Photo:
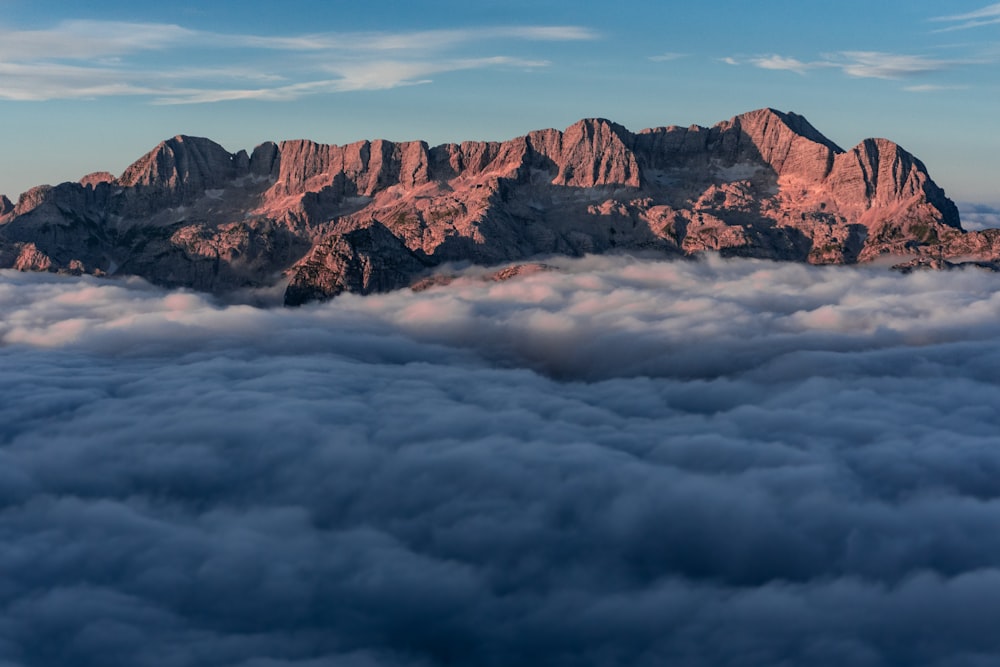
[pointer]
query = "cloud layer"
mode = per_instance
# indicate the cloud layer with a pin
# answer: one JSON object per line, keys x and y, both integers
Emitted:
{"x": 622, "y": 462}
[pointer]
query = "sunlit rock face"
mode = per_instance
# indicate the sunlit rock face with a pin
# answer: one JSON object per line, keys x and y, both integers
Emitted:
{"x": 377, "y": 215}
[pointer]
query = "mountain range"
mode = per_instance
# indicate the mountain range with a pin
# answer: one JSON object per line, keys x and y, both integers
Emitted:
{"x": 378, "y": 215}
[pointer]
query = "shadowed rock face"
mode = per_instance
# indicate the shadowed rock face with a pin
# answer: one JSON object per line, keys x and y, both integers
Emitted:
{"x": 375, "y": 215}
{"x": 364, "y": 260}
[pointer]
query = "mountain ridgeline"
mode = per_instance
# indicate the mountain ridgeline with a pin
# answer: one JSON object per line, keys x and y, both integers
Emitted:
{"x": 377, "y": 215}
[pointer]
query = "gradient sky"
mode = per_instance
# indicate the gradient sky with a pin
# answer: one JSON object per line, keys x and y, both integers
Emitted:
{"x": 92, "y": 88}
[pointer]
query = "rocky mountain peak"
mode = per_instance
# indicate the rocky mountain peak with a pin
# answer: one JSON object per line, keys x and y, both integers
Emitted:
{"x": 878, "y": 175}
{"x": 597, "y": 130}
{"x": 785, "y": 141}
{"x": 759, "y": 121}
{"x": 362, "y": 168}
{"x": 597, "y": 152}
{"x": 96, "y": 178}
{"x": 6, "y": 206}
{"x": 264, "y": 161}
{"x": 182, "y": 163}
{"x": 31, "y": 198}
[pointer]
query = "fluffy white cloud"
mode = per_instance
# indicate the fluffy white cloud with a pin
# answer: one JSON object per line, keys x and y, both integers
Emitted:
{"x": 619, "y": 462}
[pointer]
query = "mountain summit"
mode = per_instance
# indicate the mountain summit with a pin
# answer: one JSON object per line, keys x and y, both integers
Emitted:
{"x": 376, "y": 215}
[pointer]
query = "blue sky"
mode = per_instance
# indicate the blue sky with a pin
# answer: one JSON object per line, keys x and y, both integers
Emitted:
{"x": 85, "y": 88}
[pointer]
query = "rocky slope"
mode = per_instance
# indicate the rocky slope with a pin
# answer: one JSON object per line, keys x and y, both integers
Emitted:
{"x": 377, "y": 215}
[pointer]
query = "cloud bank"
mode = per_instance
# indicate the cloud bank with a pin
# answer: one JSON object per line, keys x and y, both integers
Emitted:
{"x": 622, "y": 462}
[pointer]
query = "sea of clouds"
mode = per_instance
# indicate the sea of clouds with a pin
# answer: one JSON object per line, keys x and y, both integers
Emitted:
{"x": 618, "y": 462}
{"x": 976, "y": 217}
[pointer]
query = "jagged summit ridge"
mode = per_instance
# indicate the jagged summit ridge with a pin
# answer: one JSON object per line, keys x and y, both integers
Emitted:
{"x": 374, "y": 214}
{"x": 591, "y": 152}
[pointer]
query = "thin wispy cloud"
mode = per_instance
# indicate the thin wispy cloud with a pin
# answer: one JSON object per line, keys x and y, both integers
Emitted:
{"x": 423, "y": 40}
{"x": 92, "y": 59}
{"x": 667, "y": 57}
{"x": 352, "y": 76}
{"x": 879, "y": 65}
{"x": 931, "y": 88}
{"x": 858, "y": 64}
{"x": 989, "y": 15}
{"x": 87, "y": 40}
{"x": 46, "y": 81}
{"x": 782, "y": 63}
